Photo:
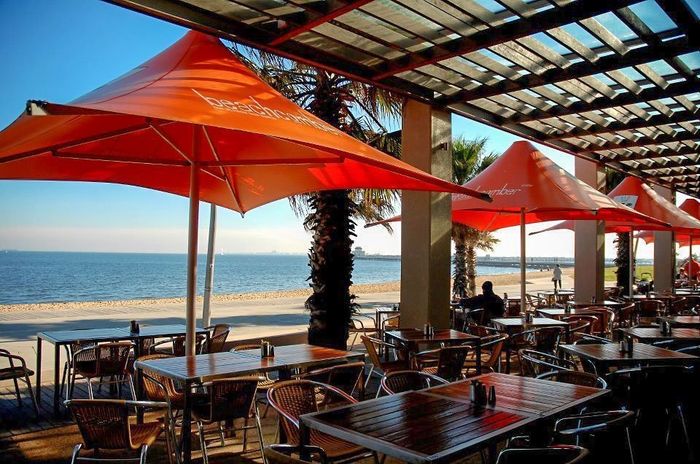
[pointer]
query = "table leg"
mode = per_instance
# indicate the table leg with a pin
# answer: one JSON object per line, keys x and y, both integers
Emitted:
{"x": 478, "y": 357}
{"x": 56, "y": 378}
{"x": 138, "y": 352}
{"x": 508, "y": 357}
{"x": 304, "y": 439}
{"x": 38, "y": 369}
{"x": 186, "y": 433}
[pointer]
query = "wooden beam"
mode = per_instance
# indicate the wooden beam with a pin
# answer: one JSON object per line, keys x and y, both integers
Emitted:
{"x": 645, "y": 141}
{"x": 682, "y": 163}
{"x": 333, "y": 10}
{"x": 547, "y": 19}
{"x": 641, "y": 55}
{"x": 682, "y": 151}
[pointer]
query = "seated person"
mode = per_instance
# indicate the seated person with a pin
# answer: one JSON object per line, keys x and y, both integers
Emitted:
{"x": 488, "y": 300}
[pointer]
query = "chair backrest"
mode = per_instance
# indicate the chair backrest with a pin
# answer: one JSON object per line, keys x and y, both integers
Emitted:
{"x": 112, "y": 358}
{"x": 584, "y": 379}
{"x": 451, "y": 362}
{"x": 346, "y": 377}
{"x": 231, "y": 398}
{"x": 513, "y": 308}
{"x": 649, "y": 307}
{"x": 293, "y": 398}
{"x": 534, "y": 363}
{"x": 217, "y": 339}
{"x": 246, "y": 346}
{"x": 547, "y": 339}
{"x": 495, "y": 346}
{"x": 391, "y": 322}
{"x": 581, "y": 324}
{"x": 481, "y": 330}
{"x": 372, "y": 344}
{"x": 103, "y": 424}
{"x": 284, "y": 454}
{"x": 401, "y": 381}
{"x": 476, "y": 316}
{"x": 627, "y": 316}
{"x": 158, "y": 387}
{"x": 558, "y": 454}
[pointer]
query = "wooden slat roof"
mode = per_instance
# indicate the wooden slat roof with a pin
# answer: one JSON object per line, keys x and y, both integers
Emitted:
{"x": 617, "y": 81}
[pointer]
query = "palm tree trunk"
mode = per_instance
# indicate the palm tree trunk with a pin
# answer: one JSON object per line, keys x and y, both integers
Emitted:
{"x": 459, "y": 286}
{"x": 471, "y": 269}
{"x": 622, "y": 261}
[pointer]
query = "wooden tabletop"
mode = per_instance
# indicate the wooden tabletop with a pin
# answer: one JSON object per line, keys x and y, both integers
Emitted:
{"x": 526, "y": 395}
{"x": 558, "y": 313}
{"x": 609, "y": 354}
{"x": 440, "y": 335}
{"x": 683, "y": 321}
{"x": 114, "y": 333}
{"x": 207, "y": 367}
{"x": 510, "y": 323}
{"x": 611, "y": 303}
{"x": 441, "y": 424}
{"x": 558, "y": 292}
{"x": 417, "y": 427}
{"x": 653, "y": 334}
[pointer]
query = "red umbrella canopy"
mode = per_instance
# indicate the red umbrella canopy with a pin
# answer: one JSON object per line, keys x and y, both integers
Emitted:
{"x": 524, "y": 178}
{"x": 638, "y": 195}
{"x": 195, "y": 104}
{"x": 611, "y": 227}
{"x": 690, "y": 206}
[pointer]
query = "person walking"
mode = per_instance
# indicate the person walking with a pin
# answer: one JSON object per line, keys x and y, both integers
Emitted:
{"x": 556, "y": 277}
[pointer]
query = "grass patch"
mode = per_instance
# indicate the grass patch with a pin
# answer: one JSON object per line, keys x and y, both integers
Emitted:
{"x": 610, "y": 275}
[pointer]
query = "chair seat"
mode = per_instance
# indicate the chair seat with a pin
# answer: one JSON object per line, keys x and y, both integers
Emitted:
{"x": 391, "y": 366}
{"x": 336, "y": 448}
{"x": 15, "y": 372}
{"x": 145, "y": 434}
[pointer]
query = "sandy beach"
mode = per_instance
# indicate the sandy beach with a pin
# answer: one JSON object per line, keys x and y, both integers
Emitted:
{"x": 360, "y": 289}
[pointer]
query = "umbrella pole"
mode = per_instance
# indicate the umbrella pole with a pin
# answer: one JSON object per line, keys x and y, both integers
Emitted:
{"x": 631, "y": 264}
{"x": 522, "y": 260}
{"x": 191, "y": 315}
{"x": 209, "y": 278}
{"x": 690, "y": 258}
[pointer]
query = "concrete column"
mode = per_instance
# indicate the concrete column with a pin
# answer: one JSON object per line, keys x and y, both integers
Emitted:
{"x": 589, "y": 248}
{"x": 664, "y": 250}
{"x": 426, "y": 219}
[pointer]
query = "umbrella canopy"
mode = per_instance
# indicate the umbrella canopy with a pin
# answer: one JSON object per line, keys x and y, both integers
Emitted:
{"x": 611, "y": 227}
{"x": 527, "y": 187}
{"x": 194, "y": 121}
{"x": 690, "y": 206}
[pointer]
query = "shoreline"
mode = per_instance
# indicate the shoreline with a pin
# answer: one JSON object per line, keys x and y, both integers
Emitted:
{"x": 357, "y": 289}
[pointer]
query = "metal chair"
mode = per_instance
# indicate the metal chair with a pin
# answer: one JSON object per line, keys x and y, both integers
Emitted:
{"x": 555, "y": 454}
{"x": 293, "y": 398}
{"x": 104, "y": 425}
{"x": 217, "y": 339}
{"x": 18, "y": 373}
{"x": 346, "y": 377}
{"x": 380, "y": 366}
{"x": 534, "y": 363}
{"x": 584, "y": 379}
{"x": 228, "y": 400}
{"x": 357, "y": 327}
{"x": 627, "y": 316}
{"x": 284, "y": 454}
{"x": 110, "y": 360}
{"x": 583, "y": 324}
{"x": 649, "y": 310}
{"x": 450, "y": 361}
{"x": 491, "y": 350}
{"x": 595, "y": 426}
{"x": 401, "y": 381}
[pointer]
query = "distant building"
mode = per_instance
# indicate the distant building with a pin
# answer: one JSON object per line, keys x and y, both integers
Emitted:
{"x": 359, "y": 252}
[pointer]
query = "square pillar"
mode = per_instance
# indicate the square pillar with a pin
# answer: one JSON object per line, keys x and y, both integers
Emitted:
{"x": 589, "y": 242}
{"x": 664, "y": 250}
{"x": 426, "y": 219}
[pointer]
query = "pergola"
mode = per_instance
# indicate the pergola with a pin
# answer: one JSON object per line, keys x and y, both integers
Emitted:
{"x": 615, "y": 82}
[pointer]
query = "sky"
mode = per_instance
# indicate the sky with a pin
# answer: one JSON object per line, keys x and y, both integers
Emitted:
{"x": 58, "y": 51}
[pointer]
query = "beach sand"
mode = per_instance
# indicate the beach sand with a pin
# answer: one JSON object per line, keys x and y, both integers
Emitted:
{"x": 501, "y": 280}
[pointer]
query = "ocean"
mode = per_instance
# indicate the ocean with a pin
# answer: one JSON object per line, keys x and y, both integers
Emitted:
{"x": 48, "y": 277}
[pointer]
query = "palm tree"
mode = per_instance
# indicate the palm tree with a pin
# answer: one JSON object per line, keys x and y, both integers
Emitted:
{"x": 469, "y": 158}
{"x": 359, "y": 110}
{"x": 622, "y": 241}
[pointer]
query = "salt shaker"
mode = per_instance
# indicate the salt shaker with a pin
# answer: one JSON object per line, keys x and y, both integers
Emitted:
{"x": 492, "y": 395}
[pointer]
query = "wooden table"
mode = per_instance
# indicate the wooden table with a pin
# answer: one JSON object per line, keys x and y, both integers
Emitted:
{"x": 61, "y": 338}
{"x": 683, "y": 321}
{"x": 195, "y": 370}
{"x": 654, "y": 334}
{"x": 440, "y": 424}
{"x": 558, "y": 313}
{"x": 604, "y": 356}
{"x": 609, "y": 303}
{"x": 411, "y": 338}
{"x": 551, "y": 296}
{"x": 383, "y": 313}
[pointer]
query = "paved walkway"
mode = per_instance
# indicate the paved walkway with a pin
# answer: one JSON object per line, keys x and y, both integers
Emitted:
{"x": 248, "y": 319}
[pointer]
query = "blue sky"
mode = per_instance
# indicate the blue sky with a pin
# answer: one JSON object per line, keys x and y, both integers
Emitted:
{"x": 57, "y": 51}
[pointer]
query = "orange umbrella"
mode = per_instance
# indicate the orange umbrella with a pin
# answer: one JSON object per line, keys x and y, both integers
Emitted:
{"x": 638, "y": 195}
{"x": 690, "y": 206}
{"x": 195, "y": 121}
{"x": 527, "y": 187}
{"x": 611, "y": 227}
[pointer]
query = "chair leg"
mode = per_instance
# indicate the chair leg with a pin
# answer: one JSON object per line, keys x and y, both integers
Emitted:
{"x": 144, "y": 454}
{"x": 89, "y": 385}
{"x": 245, "y": 434}
{"x": 130, "y": 379}
{"x": 629, "y": 444}
{"x": 369, "y": 376}
{"x": 76, "y": 451}
{"x": 202, "y": 443}
{"x": 685, "y": 433}
{"x": 258, "y": 427}
{"x": 32, "y": 395}
{"x": 19, "y": 398}
{"x": 221, "y": 435}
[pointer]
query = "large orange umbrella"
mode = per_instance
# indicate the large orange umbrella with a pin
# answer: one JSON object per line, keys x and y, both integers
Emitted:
{"x": 195, "y": 121}
{"x": 640, "y": 196}
{"x": 527, "y": 187}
